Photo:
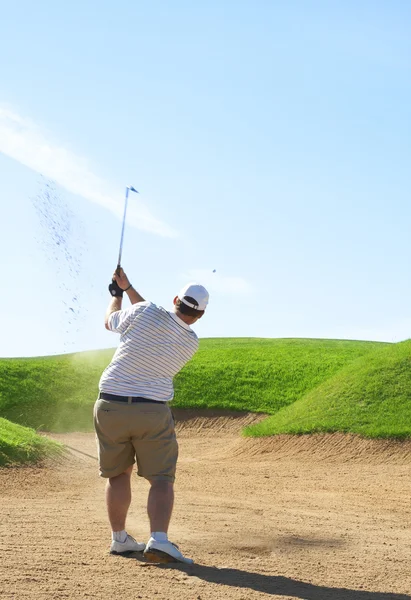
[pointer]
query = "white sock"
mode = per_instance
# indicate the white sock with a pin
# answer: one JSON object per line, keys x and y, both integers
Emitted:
{"x": 159, "y": 536}
{"x": 119, "y": 536}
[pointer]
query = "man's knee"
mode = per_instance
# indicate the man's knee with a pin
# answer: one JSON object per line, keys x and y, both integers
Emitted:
{"x": 161, "y": 484}
{"x": 124, "y": 475}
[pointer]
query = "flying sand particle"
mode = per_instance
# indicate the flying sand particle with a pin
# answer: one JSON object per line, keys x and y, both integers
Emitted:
{"x": 64, "y": 248}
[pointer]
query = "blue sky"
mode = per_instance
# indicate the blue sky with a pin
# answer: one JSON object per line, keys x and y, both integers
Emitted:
{"x": 270, "y": 141}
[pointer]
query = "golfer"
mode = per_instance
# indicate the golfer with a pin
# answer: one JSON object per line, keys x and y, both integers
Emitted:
{"x": 132, "y": 419}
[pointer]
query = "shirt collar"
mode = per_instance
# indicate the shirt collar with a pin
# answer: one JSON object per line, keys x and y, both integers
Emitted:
{"x": 179, "y": 321}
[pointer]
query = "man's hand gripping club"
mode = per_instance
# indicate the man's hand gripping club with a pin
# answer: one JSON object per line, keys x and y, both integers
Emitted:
{"x": 120, "y": 284}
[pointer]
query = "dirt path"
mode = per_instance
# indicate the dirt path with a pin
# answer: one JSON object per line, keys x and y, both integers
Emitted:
{"x": 324, "y": 517}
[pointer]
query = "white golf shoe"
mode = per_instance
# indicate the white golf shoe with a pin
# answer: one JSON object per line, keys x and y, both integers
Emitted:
{"x": 164, "y": 552}
{"x": 130, "y": 545}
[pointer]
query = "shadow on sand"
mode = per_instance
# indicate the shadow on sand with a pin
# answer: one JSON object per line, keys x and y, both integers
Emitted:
{"x": 271, "y": 584}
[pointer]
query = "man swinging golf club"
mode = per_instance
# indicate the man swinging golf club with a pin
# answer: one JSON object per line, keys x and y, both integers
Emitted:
{"x": 132, "y": 418}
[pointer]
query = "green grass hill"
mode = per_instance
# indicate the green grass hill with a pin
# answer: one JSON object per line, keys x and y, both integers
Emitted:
{"x": 370, "y": 396}
{"x": 57, "y": 393}
{"x": 305, "y": 385}
{"x": 21, "y": 445}
{"x": 52, "y": 393}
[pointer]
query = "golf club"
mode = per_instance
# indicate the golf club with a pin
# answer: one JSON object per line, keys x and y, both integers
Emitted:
{"x": 128, "y": 189}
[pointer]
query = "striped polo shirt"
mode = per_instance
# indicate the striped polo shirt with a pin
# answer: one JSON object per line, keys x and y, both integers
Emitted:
{"x": 154, "y": 346}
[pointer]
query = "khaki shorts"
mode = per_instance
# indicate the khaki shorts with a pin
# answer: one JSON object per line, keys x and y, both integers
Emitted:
{"x": 142, "y": 432}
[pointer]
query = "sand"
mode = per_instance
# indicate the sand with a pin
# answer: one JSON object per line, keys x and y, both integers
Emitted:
{"x": 313, "y": 518}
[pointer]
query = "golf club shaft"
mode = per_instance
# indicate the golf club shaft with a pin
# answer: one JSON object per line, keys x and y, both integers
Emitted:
{"x": 122, "y": 231}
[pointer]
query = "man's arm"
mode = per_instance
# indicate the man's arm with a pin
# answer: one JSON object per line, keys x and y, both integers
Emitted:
{"x": 114, "y": 306}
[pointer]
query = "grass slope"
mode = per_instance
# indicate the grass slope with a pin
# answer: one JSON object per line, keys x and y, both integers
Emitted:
{"x": 57, "y": 393}
{"x": 261, "y": 375}
{"x": 52, "y": 393}
{"x": 21, "y": 445}
{"x": 371, "y": 397}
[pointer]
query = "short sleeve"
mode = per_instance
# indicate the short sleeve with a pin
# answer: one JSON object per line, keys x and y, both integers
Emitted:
{"x": 120, "y": 321}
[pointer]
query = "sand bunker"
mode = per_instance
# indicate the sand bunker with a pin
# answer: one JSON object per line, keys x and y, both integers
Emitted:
{"x": 310, "y": 518}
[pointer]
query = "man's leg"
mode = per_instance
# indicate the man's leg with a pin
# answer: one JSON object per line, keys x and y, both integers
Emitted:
{"x": 157, "y": 459}
{"x": 159, "y": 508}
{"x": 160, "y": 504}
{"x": 118, "y": 498}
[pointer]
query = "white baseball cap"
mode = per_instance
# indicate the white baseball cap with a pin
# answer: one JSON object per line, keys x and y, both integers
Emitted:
{"x": 197, "y": 292}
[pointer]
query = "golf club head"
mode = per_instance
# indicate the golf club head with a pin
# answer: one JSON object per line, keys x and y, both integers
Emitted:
{"x": 132, "y": 189}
